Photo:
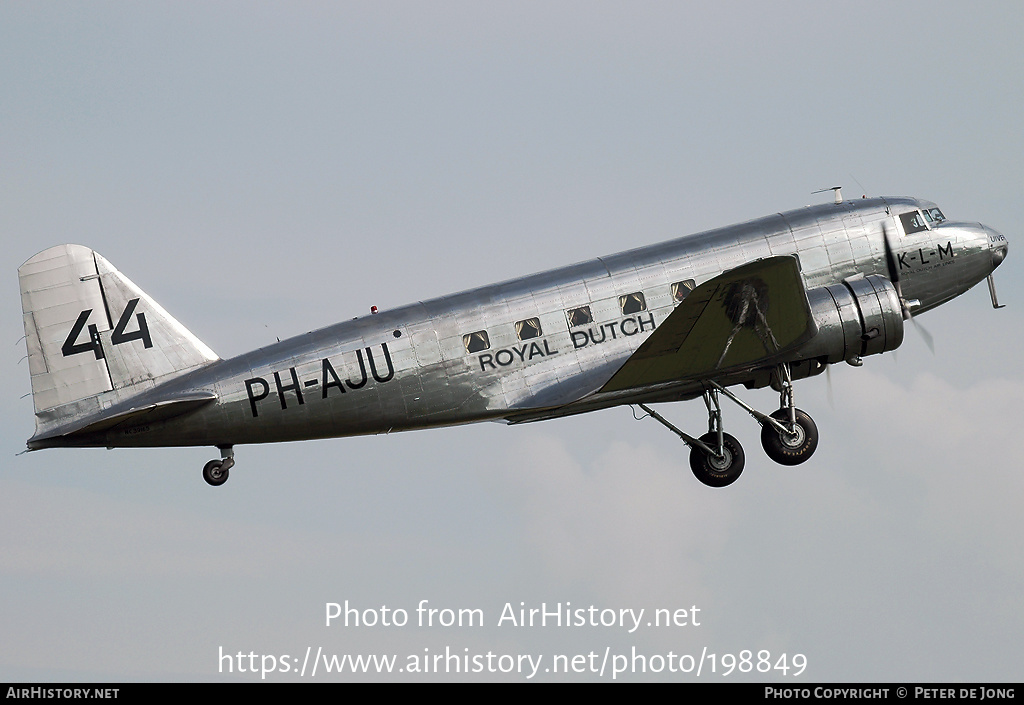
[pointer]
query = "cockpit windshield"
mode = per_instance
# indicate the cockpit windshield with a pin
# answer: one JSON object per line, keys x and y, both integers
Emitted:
{"x": 912, "y": 222}
{"x": 925, "y": 219}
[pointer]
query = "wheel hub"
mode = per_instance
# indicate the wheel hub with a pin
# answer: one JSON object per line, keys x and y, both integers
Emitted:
{"x": 722, "y": 462}
{"x": 794, "y": 438}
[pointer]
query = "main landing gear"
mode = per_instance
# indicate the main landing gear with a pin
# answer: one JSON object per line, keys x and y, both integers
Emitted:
{"x": 215, "y": 472}
{"x": 789, "y": 436}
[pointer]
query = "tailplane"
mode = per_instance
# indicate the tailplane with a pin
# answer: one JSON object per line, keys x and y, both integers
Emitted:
{"x": 92, "y": 334}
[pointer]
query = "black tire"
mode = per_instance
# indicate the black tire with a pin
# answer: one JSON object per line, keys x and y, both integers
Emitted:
{"x": 786, "y": 449}
{"x": 717, "y": 472}
{"x": 213, "y": 474}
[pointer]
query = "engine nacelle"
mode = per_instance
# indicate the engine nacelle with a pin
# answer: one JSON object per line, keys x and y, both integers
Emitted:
{"x": 861, "y": 316}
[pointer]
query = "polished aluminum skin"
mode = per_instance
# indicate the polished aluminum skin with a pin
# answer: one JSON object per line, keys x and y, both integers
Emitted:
{"x": 111, "y": 368}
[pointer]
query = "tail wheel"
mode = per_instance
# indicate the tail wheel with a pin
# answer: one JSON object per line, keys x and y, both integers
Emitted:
{"x": 214, "y": 473}
{"x": 717, "y": 471}
{"x": 790, "y": 448}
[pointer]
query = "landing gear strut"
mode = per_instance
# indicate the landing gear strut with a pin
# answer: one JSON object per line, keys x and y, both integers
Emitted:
{"x": 215, "y": 472}
{"x": 716, "y": 458}
{"x": 789, "y": 436}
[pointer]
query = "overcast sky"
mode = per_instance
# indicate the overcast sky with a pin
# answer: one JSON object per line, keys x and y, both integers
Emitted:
{"x": 266, "y": 169}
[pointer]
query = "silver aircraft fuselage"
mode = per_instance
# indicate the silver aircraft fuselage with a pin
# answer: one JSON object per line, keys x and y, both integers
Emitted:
{"x": 426, "y": 364}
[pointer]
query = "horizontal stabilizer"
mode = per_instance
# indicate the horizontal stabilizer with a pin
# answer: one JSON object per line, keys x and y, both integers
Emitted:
{"x": 130, "y": 418}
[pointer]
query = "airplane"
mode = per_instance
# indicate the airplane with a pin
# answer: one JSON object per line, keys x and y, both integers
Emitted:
{"x": 761, "y": 303}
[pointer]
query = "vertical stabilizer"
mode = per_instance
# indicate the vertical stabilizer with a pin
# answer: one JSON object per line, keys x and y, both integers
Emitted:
{"x": 90, "y": 330}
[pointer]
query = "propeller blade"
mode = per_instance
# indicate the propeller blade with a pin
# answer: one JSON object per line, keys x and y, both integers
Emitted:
{"x": 828, "y": 389}
{"x": 890, "y": 260}
{"x": 925, "y": 335}
{"x": 894, "y": 271}
{"x": 894, "y": 277}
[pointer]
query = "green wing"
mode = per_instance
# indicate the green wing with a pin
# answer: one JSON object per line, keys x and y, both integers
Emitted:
{"x": 744, "y": 317}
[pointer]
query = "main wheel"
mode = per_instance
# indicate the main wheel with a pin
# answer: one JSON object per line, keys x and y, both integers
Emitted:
{"x": 214, "y": 474}
{"x": 790, "y": 448}
{"x": 714, "y": 471}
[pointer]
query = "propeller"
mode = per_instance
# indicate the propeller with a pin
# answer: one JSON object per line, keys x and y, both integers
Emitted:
{"x": 894, "y": 277}
{"x": 828, "y": 389}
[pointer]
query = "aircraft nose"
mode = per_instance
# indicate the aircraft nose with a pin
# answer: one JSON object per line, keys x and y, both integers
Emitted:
{"x": 998, "y": 246}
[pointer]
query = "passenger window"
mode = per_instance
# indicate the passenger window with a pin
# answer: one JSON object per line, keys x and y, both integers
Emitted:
{"x": 579, "y": 316}
{"x": 530, "y": 328}
{"x": 632, "y": 303}
{"x": 475, "y": 342}
{"x": 680, "y": 290}
{"x": 913, "y": 222}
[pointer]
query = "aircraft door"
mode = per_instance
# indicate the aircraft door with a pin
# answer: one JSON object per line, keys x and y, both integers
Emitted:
{"x": 436, "y": 394}
{"x": 426, "y": 345}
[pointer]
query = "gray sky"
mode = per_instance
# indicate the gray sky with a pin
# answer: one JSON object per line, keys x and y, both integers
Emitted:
{"x": 265, "y": 169}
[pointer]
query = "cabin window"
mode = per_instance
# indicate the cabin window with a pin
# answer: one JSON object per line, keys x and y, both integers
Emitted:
{"x": 632, "y": 303}
{"x": 579, "y": 316}
{"x": 530, "y": 328}
{"x": 475, "y": 342}
{"x": 913, "y": 222}
{"x": 680, "y": 290}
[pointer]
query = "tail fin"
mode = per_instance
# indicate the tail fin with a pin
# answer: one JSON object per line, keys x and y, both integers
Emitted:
{"x": 90, "y": 330}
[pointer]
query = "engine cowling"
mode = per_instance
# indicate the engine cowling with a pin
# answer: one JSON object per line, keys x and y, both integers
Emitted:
{"x": 862, "y": 316}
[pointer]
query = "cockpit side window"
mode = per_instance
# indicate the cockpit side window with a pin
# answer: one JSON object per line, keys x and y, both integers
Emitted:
{"x": 913, "y": 222}
{"x": 934, "y": 215}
